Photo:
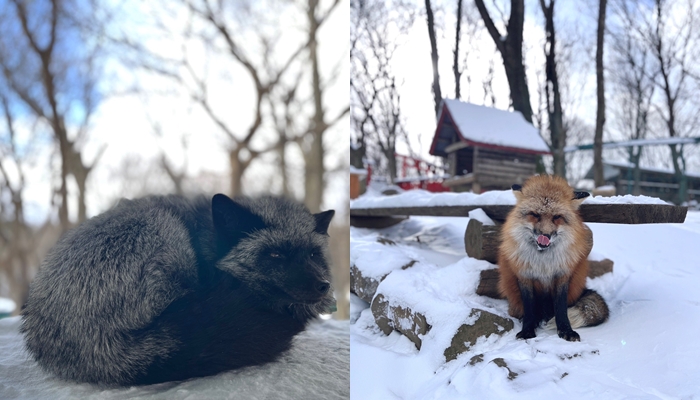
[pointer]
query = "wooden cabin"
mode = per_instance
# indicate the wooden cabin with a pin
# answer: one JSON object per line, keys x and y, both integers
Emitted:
{"x": 654, "y": 182}
{"x": 485, "y": 148}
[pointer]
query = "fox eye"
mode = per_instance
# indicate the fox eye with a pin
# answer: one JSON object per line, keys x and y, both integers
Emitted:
{"x": 556, "y": 217}
{"x": 534, "y": 214}
{"x": 275, "y": 255}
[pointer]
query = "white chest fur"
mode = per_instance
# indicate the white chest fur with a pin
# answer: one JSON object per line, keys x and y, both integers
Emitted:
{"x": 542, "y": 265}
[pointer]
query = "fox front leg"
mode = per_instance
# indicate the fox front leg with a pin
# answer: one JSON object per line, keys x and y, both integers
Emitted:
{"x": 561, "y": 316}
{"x": 530, "y": 321}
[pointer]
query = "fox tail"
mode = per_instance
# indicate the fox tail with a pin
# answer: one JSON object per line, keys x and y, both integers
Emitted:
{"x": 589, "y": 310}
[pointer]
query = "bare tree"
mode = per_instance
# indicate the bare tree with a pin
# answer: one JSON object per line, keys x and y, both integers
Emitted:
{"x": 53, "y": 83}
{"x": 633, "y": 80}
{"x": 510, "y": 46}
{"x": 437, "y": 93}
{"x": 676, "y": 54}
{"x": 320, "y": 122}
{"x": 376, "y": 110}
{"x": 552, "y": 93}
{"x": 600, "y": 93}
{"x": 16, "y": 239}
{"x": 455, "y": 62}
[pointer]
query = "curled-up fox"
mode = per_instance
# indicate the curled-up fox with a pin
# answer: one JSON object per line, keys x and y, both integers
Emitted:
{"x": 543, "y": 259}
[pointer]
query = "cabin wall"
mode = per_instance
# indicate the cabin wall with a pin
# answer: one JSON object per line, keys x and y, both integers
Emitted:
{"x": 492, "y": 169}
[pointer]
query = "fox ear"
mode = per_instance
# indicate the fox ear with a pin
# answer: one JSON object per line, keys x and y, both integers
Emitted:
{"x": 323, "y": 219}
{"x": 232, "y": 221}
{"x": 579, "y": 197}
{"x": 517, "y": 191}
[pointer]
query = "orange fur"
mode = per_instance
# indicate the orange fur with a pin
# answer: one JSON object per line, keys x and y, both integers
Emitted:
{"x": 540, "y": 201}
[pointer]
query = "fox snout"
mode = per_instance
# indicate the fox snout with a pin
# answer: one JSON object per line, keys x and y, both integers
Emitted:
{"x": 543, "y": 239}
{"x": 307, "y": 288}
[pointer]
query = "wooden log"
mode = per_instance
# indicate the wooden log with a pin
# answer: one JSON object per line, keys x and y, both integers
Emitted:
{"x": 482, "y": 241}
{"x": 488, "y": 279}
{"x": 604, "y": 213}
{"x": 488, "y": 284}
{"x": 598, "y": 268}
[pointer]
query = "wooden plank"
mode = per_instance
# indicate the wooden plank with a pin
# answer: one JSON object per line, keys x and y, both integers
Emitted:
{"x": 604, "y": 213}
{"x": 495, "y": 212}
{"x": 459, "y": 180}
{"x": 507, "y": 156}
{"x": 505, "y": 163}
{"x": 633, "y": 213}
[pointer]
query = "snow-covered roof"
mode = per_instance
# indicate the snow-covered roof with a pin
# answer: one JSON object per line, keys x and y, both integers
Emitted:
{"x": 485, "y": 127}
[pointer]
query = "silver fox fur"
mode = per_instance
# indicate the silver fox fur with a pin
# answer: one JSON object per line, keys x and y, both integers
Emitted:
{"x": 167, "y": 288}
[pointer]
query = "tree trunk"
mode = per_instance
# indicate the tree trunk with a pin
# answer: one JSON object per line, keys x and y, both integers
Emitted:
{"x": 237, "y": 170}
{"x": 600, "y": 113}
{"x": 554, "y": 109}
{"x": 511, "y": 49}
{"x": 357, "y": 154}
{"x": 437, "y": 93}
{"x": 391, "y": 164}
{"x": 314, "y": 168}
{"x": 455, "y": 63}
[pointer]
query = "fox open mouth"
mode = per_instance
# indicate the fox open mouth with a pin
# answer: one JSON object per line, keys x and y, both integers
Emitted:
{"x": 542, "y": 242}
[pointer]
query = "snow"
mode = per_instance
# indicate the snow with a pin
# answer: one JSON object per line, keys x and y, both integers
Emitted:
{"x": 481, "y": 216}
{"x": 423, "y": 198}
{"x": 626, "y": 199}
{"x": 489, "y": 125}
{"x": 648, "y": 349}
{"x": 7, "y": 306}
{"x": 317, "y": 367}
{"x": 357, "y": 171}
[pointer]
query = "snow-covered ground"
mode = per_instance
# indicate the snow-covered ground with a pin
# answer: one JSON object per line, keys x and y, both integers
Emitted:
{"x": 648, "y": 349}
{"x": 317, "y": 367}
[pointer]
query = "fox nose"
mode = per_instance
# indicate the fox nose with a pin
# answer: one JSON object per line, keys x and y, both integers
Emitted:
{"x": 322, "y": 287}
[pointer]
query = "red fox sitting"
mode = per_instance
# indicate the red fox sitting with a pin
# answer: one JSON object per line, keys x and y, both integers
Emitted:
{"x": 543, "y": 259}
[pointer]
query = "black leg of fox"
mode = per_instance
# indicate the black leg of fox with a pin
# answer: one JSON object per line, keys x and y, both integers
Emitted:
{"x": 560, "y": 314}
{"x": 530, "y": 320}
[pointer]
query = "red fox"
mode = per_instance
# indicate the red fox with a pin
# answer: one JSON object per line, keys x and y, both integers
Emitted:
{"x": 543, "y": 259}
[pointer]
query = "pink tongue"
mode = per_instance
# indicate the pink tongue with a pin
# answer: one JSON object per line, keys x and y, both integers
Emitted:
{"x": 543, "y": 240}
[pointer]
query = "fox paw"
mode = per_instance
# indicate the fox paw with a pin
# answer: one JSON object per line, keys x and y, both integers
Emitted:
{"x": 529, "y": 334}
{"x": 570, "y": 336}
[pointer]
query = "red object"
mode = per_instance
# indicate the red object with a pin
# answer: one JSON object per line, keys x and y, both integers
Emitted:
{"x": 414, "y": 173}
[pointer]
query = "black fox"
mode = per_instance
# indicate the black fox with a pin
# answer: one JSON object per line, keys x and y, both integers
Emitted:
{"x": 168, "y": 288}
